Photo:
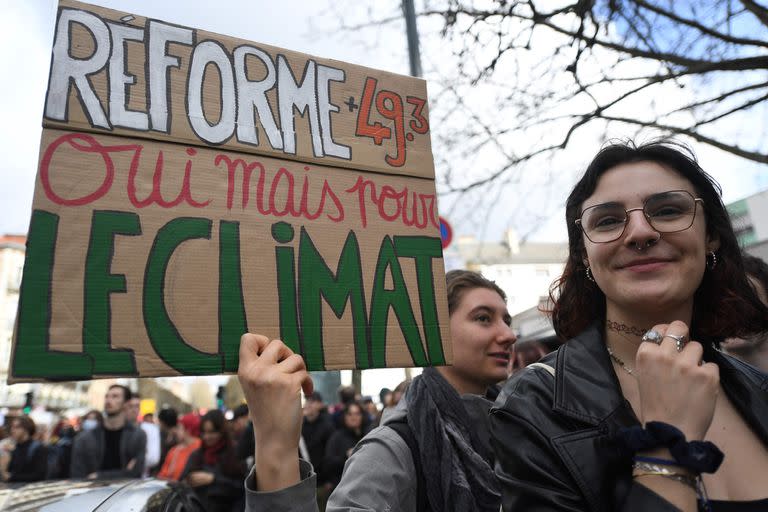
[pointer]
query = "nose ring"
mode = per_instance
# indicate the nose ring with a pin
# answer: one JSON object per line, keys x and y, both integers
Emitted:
{"x": 648, "y": 243}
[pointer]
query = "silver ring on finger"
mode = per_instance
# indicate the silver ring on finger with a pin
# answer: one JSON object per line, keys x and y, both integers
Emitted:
{"x": 679, "y": 340}
{"x": 653, "y": 337}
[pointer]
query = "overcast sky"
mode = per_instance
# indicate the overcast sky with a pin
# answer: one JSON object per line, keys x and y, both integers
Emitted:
{"x": 26, "y": 34}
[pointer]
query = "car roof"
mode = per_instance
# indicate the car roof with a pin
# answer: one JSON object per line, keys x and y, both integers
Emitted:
{"x": 83, "y": 495}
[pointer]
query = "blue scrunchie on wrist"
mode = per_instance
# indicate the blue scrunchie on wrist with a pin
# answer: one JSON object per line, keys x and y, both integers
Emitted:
{"x": 696, "y": 456}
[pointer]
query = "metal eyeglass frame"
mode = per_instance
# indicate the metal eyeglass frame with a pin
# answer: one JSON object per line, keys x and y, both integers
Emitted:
{"x": 645, "y": 214}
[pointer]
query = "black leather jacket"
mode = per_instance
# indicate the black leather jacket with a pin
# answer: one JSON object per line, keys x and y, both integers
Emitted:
{"x": 554, "y": 437}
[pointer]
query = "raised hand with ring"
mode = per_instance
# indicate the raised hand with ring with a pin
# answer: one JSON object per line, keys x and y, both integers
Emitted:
{"x": 652, "y": 336}
{"x": 671, "y": 379}
{"x": 680, "y": 340}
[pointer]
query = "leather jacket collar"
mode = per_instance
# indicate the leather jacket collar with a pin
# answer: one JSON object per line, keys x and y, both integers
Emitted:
{"x": 586, "y": 387}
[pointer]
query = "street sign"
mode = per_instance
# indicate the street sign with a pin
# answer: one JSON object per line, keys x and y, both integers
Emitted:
{"x": 446, "y": 232}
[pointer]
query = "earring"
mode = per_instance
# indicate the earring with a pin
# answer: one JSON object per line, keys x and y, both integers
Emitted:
{"x": 711, "y": 260}
{"x": 588, "y": 272}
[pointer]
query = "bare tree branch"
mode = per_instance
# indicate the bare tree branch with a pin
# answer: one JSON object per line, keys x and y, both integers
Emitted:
{"x": 760, "y": 12}
{"x": 750, "y": 155}
{"x": 514, "y": 84}
{"x": 698, "y": 26}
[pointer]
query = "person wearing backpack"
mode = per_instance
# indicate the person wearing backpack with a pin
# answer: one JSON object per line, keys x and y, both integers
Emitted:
{"x": 432, "y": 450}
{"x": 29, "y": 460}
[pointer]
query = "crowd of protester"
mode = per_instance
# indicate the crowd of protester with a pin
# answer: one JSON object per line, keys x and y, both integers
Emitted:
{"x": 207, "y": 452}
{"x": 203, "y": 451}
{"x": 487, "y": 433}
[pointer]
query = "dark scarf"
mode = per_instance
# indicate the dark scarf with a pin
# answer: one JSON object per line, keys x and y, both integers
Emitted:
{"x": 461, "y": 476}
{"x": 211, "y": 453}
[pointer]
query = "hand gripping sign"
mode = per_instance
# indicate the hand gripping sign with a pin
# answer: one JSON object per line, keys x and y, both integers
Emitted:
{"x": 192, "y": 187}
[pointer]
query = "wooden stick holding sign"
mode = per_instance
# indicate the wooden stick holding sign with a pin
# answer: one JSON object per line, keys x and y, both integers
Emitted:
{"x": 192, "y": 187}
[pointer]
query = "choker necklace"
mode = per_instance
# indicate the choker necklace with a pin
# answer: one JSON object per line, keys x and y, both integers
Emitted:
{"x": 623, "y": 328}
{"x": 620, "y": 362}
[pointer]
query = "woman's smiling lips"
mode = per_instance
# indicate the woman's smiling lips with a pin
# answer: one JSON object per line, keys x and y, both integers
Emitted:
{"x": 645, "y": 264}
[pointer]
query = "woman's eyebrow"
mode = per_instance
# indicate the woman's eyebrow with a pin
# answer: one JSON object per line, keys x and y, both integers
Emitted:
{"x": 490, "y": 310}
{"x": 607, "y": 204}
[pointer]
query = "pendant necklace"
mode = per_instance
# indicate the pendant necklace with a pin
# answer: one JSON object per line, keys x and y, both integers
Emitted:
{"x": 620, "y": 362}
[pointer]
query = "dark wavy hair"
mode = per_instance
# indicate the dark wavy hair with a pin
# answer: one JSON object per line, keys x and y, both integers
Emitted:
{"x": 724, "y": 303}
{"x": 219, "y": 423}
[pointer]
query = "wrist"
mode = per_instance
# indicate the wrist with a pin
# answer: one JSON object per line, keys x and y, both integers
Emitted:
{"x": 696, "y": 456}
{"x": 276, "y": 466}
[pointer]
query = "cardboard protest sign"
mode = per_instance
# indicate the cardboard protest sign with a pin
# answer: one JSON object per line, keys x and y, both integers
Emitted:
{"x": 192, "y": 187}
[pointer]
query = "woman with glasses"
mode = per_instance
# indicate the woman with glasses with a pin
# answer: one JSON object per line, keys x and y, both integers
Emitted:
{"x": 638, "y": 410}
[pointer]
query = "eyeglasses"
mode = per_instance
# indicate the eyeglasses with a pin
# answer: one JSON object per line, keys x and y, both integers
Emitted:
{"x": 666, "y": 212}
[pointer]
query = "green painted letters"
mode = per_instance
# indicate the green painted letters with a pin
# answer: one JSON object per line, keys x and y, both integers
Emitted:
{"x": 166, "y": 340}
{"x": 99, "y": 285}
{"x": 31, "y": 357}
{"x": 232, "y": 322}
{"x": 397, "y": 298}
{"x": 282, "y": 232}
{"x": 424, "y": 249}
{"x": 317, "y": 282}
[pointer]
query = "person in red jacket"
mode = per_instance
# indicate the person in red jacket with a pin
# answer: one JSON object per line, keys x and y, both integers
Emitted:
{"x": 187, "y": 433}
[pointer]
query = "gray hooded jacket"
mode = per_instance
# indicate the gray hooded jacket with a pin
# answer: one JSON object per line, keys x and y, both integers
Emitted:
{"x": 379, "y": 475}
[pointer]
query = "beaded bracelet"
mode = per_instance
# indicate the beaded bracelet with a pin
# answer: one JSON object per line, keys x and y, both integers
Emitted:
{"x": 686, "y": 480}
{"x": 646, "y": 469}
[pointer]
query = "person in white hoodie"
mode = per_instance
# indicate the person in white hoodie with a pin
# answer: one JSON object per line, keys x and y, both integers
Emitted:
{"x": 152, "y": 431}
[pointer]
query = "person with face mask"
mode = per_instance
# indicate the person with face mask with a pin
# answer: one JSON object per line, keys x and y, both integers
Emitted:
{"x": 91, "y": 420}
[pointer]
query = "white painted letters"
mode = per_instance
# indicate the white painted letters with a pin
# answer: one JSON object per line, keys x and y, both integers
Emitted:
{"x": 158, "y": 62}
{"x": 119, "y": 115}
{"x": 260, "y": 97}
{"x": 289, "y": 95}
{"x": 252, "y": 94}
{"x": 210, "y": 52}
{"x": 66, "y": 68}
{"x": 325, "y": 75}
